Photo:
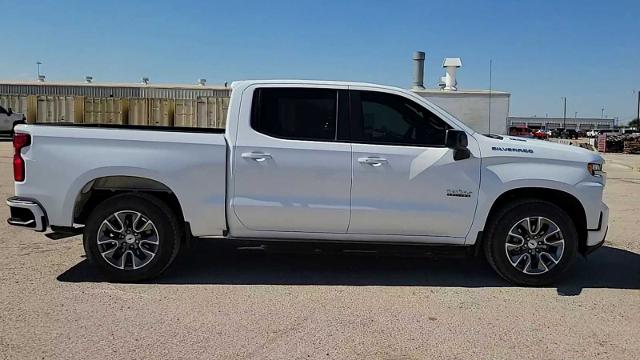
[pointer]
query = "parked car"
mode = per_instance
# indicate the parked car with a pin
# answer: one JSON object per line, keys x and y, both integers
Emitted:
{"x": 569, "y": 134}
{"x": 592, "y": 133}
{"x": 540, "y": 135}
{"x": 9, "y": 119}
{"x": 521, "y": 131}
{"x": 311, "y": 161}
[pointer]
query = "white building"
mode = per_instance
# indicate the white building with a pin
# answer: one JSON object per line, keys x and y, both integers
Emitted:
{"x": 483, "y": 110}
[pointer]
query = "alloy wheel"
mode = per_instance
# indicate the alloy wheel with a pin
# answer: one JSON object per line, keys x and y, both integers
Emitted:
{"x": 128, "y": 240}
{"x": 534, "y": 245}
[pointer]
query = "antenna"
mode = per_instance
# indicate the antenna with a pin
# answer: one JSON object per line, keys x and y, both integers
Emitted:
{"x": 490, "y": 76}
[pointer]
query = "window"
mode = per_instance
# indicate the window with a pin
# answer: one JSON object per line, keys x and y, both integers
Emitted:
{"x": 295, "y": 113}
{"x": 392, "y": 119}
{"x": 3, "y": 111}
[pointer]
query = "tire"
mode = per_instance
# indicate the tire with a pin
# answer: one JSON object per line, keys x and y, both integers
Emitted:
{"x": 539, "y": 251}
{"x": 120, "y": 243}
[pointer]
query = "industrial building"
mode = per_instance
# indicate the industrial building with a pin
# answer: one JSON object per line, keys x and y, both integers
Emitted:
{"x": 550, "y": 123}
{"x": 201, "y": 105}
{"x": 136, "y": 104}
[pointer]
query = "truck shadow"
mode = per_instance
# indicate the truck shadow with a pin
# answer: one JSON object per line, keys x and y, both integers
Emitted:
{"x": 211, "y": 264}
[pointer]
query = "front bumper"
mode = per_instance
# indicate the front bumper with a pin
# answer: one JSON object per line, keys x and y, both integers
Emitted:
{"x": 595, "y": 237}
{"x": 27, "y": 213}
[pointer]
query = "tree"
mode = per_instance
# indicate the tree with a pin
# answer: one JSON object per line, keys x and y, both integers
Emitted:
{"x": 634, "y": 123}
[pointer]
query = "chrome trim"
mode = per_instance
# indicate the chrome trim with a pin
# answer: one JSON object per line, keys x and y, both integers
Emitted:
{"x": 35, "y": 208}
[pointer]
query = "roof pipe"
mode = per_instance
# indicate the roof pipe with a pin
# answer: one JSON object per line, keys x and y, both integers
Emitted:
{"x": 451, "y": 65}
{"x": 418, "y": 70}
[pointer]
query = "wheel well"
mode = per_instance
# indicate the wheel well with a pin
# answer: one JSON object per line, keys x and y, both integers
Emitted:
{"x": 100, "y": 189}
{"x": 563, "y": 200}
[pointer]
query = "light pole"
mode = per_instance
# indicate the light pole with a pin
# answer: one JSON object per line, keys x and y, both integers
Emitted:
{"x": 602, "y": 114}
{"x": 638, "y": 111}
{"x": 564, "y": 113}
{"x": 38, "y": 64}
{"x": 575, "y": 115}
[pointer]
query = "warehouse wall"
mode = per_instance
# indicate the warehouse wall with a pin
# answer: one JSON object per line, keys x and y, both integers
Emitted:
{"x": 201, "y": 112}
{"x": 473, "y": 108}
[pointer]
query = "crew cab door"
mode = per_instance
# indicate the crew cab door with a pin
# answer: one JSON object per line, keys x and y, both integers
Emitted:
{"x": 405, "y": 181}
{"x": 290, "y": 172}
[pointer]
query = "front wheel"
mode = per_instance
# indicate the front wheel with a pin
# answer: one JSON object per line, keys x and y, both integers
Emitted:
{"x": 531, "y": 242}
{"x": 132, "y": 237}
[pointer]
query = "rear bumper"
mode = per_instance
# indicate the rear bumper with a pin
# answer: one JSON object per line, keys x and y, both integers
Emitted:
{"x": 595, "y": 237}
{"x": 27, "y": 213}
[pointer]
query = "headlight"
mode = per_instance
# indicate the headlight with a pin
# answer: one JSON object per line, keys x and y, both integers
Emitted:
{"x": 594, "y": 169}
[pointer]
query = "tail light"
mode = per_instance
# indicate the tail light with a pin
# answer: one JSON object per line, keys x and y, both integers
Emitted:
{"x": 19, "y": 141}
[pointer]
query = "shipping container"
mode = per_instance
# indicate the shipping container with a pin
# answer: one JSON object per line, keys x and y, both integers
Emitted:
{"x": 105, "y": 110}
{"x": 138, "y": 112}
{"x": 51, "y": 109}
{"x": 17, "y": 103}
{"x": 161, "y": 112}
{"x": 185, "y": 113}
{"x": 212, "y": 112}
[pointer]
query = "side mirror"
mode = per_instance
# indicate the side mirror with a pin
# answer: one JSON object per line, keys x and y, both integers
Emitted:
{"x": 457, "y": 140}
{"x": 9, "y": 111}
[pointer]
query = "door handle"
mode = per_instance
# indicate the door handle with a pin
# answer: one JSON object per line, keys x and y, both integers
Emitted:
{"x": 257, "y": 156}
{"x": 373, "y": 161}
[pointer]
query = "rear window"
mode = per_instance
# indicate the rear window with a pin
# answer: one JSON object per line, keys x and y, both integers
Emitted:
{"x": 295, "y": 113}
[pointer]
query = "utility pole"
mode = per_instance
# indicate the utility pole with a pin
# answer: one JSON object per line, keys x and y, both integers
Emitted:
{"x": 490, "y": 66}
{"x": 575, "y": 115}
{"x": 638, "y": 113}
{"x": 602, "y": 115}
{"x": 564, "y": 113}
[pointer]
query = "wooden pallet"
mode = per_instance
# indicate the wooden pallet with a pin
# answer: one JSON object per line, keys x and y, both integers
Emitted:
{"x": 631, "y": 147}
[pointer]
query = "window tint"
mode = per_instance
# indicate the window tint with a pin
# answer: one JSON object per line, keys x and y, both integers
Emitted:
{"x": 295, "y": 113}
{"x": 392, "y": 119}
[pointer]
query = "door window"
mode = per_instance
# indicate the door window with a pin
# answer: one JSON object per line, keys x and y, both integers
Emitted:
{"x": 295, "y": 113}
{"x": 390, "y": 119}
{"x": 3, "y": 111}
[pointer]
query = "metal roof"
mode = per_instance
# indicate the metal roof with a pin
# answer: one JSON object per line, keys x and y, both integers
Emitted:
{"x": 559, "y": 119}
{"x": 117, "y": 90}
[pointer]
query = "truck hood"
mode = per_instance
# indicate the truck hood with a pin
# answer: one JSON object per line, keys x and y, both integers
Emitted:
{"x": 512, "y": 146}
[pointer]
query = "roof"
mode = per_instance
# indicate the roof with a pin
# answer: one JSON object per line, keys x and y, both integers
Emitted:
{"x": 452, "y": 62}
{"x": 108, "y": 84}
{"x": 558, "y": 119}
{"x": 117, "y": 90}
{"x": 462, "y": 92}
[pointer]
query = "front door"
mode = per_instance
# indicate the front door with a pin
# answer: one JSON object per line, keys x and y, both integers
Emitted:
{"x": 405, "y": 181}
{"x": 290, "y": 171}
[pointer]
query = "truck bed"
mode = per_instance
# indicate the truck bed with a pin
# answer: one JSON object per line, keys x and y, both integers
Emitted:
{"x": 64, "y": 159}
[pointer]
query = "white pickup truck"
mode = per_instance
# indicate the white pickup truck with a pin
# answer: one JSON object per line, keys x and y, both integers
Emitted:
{"x": 317, "y": 162}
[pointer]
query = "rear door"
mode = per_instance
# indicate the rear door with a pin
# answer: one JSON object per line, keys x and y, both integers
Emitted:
{"x": 405, "y": 181}
{"x": 290, "y": 171}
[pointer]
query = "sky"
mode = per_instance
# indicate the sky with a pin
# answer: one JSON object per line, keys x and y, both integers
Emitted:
{"x": 588, "y": 51}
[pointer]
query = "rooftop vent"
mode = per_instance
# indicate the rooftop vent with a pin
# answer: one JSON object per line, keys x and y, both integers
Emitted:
{"x": 41, "y": 78}
{"x": 145, "y": 80}
{"x": 449, "y": 80}
{"x": 202, "y": 82}
{"x": 418, "y": 71}
{"x": 88, "y": 79}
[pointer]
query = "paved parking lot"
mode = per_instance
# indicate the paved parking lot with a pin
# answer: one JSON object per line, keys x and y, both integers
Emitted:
{"x": 220, "y": 303}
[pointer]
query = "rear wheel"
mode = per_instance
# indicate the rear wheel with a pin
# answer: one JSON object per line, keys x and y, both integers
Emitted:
{"x": 132, "y": 237}
{"x": 531, "y": 242}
